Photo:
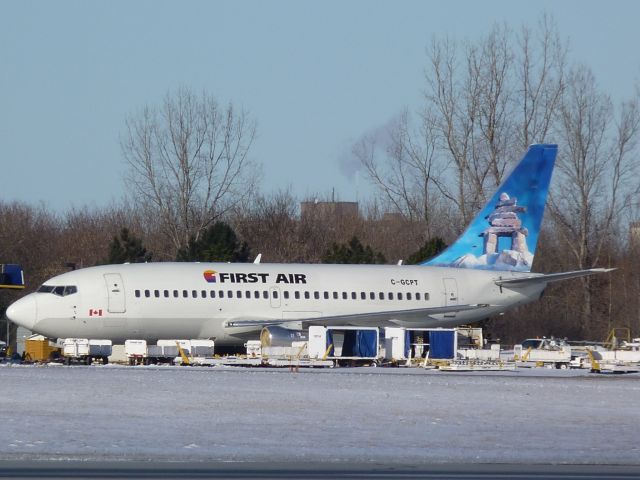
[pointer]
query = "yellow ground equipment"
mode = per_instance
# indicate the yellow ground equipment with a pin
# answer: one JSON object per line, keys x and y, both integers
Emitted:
{"x": 185, "y": 359}
{"x": 617, "y": 335}
{"x": 38, "y": 349}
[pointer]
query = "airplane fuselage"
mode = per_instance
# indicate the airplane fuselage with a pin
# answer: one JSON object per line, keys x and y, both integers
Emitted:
{"x": 198, "y": 300}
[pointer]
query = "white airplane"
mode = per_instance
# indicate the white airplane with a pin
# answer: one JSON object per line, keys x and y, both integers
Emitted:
{"x": 485, "y": 272}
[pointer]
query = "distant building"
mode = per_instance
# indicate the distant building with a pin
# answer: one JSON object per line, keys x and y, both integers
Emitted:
{"x": 634, "y": 234}
{"x": 329, "y": 209}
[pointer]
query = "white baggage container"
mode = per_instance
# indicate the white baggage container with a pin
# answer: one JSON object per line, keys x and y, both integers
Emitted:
{"x": 394, "y": 343}
{"x": 317, "y": 346}
{"x": 85, "y": 350}
{"x": 254, "y": 348}
{"x": 75, "y": 347}
{"x": 135, "y": 348}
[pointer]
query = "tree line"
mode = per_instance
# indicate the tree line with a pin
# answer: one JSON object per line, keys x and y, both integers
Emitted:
{"x": 193, "y": 187}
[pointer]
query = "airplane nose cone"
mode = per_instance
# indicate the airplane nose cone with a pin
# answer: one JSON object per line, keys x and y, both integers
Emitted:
{"x": 23, "y": 312}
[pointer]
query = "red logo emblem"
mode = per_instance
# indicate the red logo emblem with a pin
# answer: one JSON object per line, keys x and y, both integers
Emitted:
{"x": 95, "y": 313}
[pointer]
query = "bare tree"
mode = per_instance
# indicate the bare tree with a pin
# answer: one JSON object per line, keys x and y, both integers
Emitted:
{"x": 541, "y": 65}
{"x": 595, "y": 172}
{"x": 400, "y": 163}
{"x": 485, "y": 102}
{"x": 188, "y": 162}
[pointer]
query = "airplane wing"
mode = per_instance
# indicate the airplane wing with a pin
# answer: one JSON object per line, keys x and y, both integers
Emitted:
{"x": 546, "y": 278}
{"x": 392, "y": 318}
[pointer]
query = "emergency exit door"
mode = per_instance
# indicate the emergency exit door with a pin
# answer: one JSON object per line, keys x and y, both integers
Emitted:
{"x": 115, "y": 292}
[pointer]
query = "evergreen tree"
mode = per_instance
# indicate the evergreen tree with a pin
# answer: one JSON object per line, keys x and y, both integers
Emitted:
{"x": 217, "y": 243}
{"x": 127, "y": 248}
{"x": 353, "y": 252}
{"x": 431, "y": 248}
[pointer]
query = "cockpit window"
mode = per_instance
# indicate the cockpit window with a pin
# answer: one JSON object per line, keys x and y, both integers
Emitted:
{"x": 62, "y": 290}
{"x": 69, "y": 290}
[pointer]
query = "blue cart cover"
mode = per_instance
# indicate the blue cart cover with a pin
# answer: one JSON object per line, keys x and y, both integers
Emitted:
{"x": 441, "y": 344}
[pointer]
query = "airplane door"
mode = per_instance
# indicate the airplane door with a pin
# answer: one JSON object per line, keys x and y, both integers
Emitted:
{"x": 274, "y": 295}
{"x": 115, "y": 291}
{"x": 450, "y": 294}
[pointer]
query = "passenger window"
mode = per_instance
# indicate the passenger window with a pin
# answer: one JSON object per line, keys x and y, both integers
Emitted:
{"x": 316, "y": 295}
{"x": 212, "y": 294}
{"x": 390, "y": 295}
{"x": 166, "y": 294}
{"x": 306, "y": 295}
{"x": 229, "y": 293}
{"x": 247, "y": 294}
{"x": 381, "y": 295}
{"x": 408, "y": 295}
{"x": 426, "y": 297}
{"x": 417, "y": 296}
{"x": 185, "y": 294}
{"x": 194, "y": 293}
{"x": 399, "y": 295}
{"x": 221, "y": 293}
{"x": 265, "y": 295}
{"x": 326, "y": 295}
{"x": 256, "y": 294}
{"x": 175, "y": 294}
{"x": 354, "y": 296}
{"x": 335, "y": 295}
{"x": 203, "y": 294}
{"x": 275, "y": 293}
{"x": 138, "y": 293}
{"x": 363, "y": 296}
{"x": 156, "y": 293}
{"x": 372, "y": 295}
{"x": 296, "y": 294}
{"x": 239, "y": 294}
{"x": 286, "y": 295}
{"x": 344, "y": 295}
{"x": 147, "y": 293}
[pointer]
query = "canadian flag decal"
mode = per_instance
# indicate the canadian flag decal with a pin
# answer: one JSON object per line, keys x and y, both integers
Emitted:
{"x": 95, "y": 313}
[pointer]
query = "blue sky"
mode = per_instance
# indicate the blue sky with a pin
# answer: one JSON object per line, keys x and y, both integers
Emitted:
{"x": 315, "y": 76}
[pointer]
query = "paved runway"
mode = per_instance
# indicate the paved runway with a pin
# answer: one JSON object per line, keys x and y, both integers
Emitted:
{"x": 249, "y": 470}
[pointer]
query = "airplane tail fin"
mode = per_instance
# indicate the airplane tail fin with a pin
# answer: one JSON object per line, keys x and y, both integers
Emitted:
{"x": 503, "y": 236}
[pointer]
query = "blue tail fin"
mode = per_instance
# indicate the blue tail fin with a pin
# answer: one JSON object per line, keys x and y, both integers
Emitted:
{"x": 503, "y": 236}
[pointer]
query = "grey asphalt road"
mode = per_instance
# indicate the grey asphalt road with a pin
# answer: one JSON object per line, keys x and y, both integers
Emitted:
{"x": 30, "y": 469}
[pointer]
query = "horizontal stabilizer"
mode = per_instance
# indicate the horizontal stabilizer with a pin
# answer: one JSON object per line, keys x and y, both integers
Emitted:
{"x": 547, "y": 278}
{"x": 361, "y": 319}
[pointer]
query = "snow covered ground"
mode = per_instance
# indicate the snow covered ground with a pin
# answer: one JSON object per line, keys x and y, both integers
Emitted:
{"x": 340, "y": 415}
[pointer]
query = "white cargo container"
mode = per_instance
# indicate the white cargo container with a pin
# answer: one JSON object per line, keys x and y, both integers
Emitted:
{"x": 343, "y": 343}
{"x": 414, "y": 343}
{"x": 254, "y": 348}
{"x": 75, "y": 348}
{"x": 394, "y": 343}
{"x": 135, "y": 350}
{"x": 85, "y": 350}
